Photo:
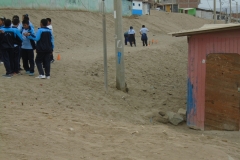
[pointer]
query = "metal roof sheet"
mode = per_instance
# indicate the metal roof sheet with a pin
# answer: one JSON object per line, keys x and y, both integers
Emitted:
{"x": 206, "y": 29}
{"x": 186, "y": 8}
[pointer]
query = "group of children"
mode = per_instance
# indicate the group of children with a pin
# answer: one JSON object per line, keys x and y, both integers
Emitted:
{"x": 18, "y": 41}
{"x": 130, "y": 36}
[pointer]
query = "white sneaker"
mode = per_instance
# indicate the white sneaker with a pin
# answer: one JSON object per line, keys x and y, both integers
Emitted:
{"x": 41, "y": 77}
{"x": 48, "y": 77}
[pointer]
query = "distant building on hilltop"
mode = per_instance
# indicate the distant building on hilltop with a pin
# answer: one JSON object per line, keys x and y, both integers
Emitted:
{"x": 141, "y": 7}
{"x": 190, "y": 11}
{"x": 208, "y": 14}
{"x": 175, "y": 5}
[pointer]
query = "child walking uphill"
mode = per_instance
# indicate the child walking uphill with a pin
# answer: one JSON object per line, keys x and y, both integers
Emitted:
{"x": 131, "y": 34}
{"x": 144, "y": 37}
{"x": 44, "y": 47}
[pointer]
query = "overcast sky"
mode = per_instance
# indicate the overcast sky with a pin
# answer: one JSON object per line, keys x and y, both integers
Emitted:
{"x": 208, "y": 4}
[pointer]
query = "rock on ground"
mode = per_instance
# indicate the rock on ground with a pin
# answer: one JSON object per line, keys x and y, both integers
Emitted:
{"x": 174, "y": 118}
{"x": 183, "y": 112}
{"x": 162, "y": 113}
{"x": 162, "y": 119}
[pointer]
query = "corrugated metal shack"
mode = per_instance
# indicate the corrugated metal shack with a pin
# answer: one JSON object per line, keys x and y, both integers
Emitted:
{"x": 213, "y": 77}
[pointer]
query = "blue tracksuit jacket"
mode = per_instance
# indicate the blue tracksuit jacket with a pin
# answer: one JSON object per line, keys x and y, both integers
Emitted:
{"x": 9, "y": 37}
{"x": 27, "y": 43}
{"x": 44, "y": 40}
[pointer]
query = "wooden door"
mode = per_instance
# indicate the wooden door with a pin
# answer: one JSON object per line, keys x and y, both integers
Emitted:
{"x": 167, "y": 8}
{"x": 222, "y": 95}
{"x": 145, "y": 8}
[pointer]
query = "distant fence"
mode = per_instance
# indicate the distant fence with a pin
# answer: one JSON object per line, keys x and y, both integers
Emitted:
{"x": 85, "y": 5}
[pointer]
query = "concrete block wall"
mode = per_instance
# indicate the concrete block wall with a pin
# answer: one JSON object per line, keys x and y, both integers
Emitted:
{"x": 127, "y": 8}
{"x": 188, "y": 3}
{"x": 85, "y": 5}
{"x": 168, "y": 1}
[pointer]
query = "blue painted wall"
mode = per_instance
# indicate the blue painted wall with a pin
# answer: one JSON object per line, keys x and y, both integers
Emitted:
{"x": 137, "y": 12}
{"x": 191, "y": 105}
{"x": 137, "y": 8}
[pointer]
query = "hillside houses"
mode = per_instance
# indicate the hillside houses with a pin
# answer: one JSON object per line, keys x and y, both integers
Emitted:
{"x": 141, "y": 7}
{"x": 175, "y": 5}
{"x": 189, "y": 7}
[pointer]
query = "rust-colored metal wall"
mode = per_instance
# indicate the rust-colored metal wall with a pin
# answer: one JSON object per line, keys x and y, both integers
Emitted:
{"x": 222, "y": 110}
{"x": 200, "y": 46}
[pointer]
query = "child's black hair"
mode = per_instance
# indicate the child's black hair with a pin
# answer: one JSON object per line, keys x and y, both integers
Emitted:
{"x": 8, "y": 23}
{"x": 25, "y": 22}
{"x": 25, "y": 15}
{"x": 15, "y": 21}
{"x": 3, "y": 19}
{"x": 49, "y": 19}
{"x": 26, "y": 18}
{"x": 15, "y": 17}
{"x": 44, "y": 22}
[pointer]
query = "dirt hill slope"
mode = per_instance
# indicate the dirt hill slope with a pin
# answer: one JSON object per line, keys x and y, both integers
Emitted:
{"x": 70, "y": 116}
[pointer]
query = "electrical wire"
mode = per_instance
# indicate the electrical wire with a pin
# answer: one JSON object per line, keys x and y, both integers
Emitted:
{"x": 209, "y": 5}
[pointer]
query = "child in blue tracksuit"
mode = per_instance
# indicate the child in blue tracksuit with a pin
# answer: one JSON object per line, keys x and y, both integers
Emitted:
{"x": 15, "y": 63}
{"x": 2, "y": 19}
{"x": 26, "y": 17}
{"x": 7, "y": 39}
{"x": 19, "y": 27}
{"x": 44, "y": 47}
{"x": 27, "y": 49}
{"x": 50, "y": 27}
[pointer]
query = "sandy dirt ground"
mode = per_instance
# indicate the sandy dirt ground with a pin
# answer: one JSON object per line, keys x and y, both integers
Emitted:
{"x": 69, "y": 117}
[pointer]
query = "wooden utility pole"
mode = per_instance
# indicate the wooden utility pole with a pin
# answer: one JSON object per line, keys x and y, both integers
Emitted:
{"x": 226, "y": 17}
{"x": 119, "y": 47}
{"x": 215, "y": 17}
{"x": 220, "y": 9}
{"x": 237, "y": 10}
{"x": 104, "y": 47}
{"x": 230, "y": 18}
